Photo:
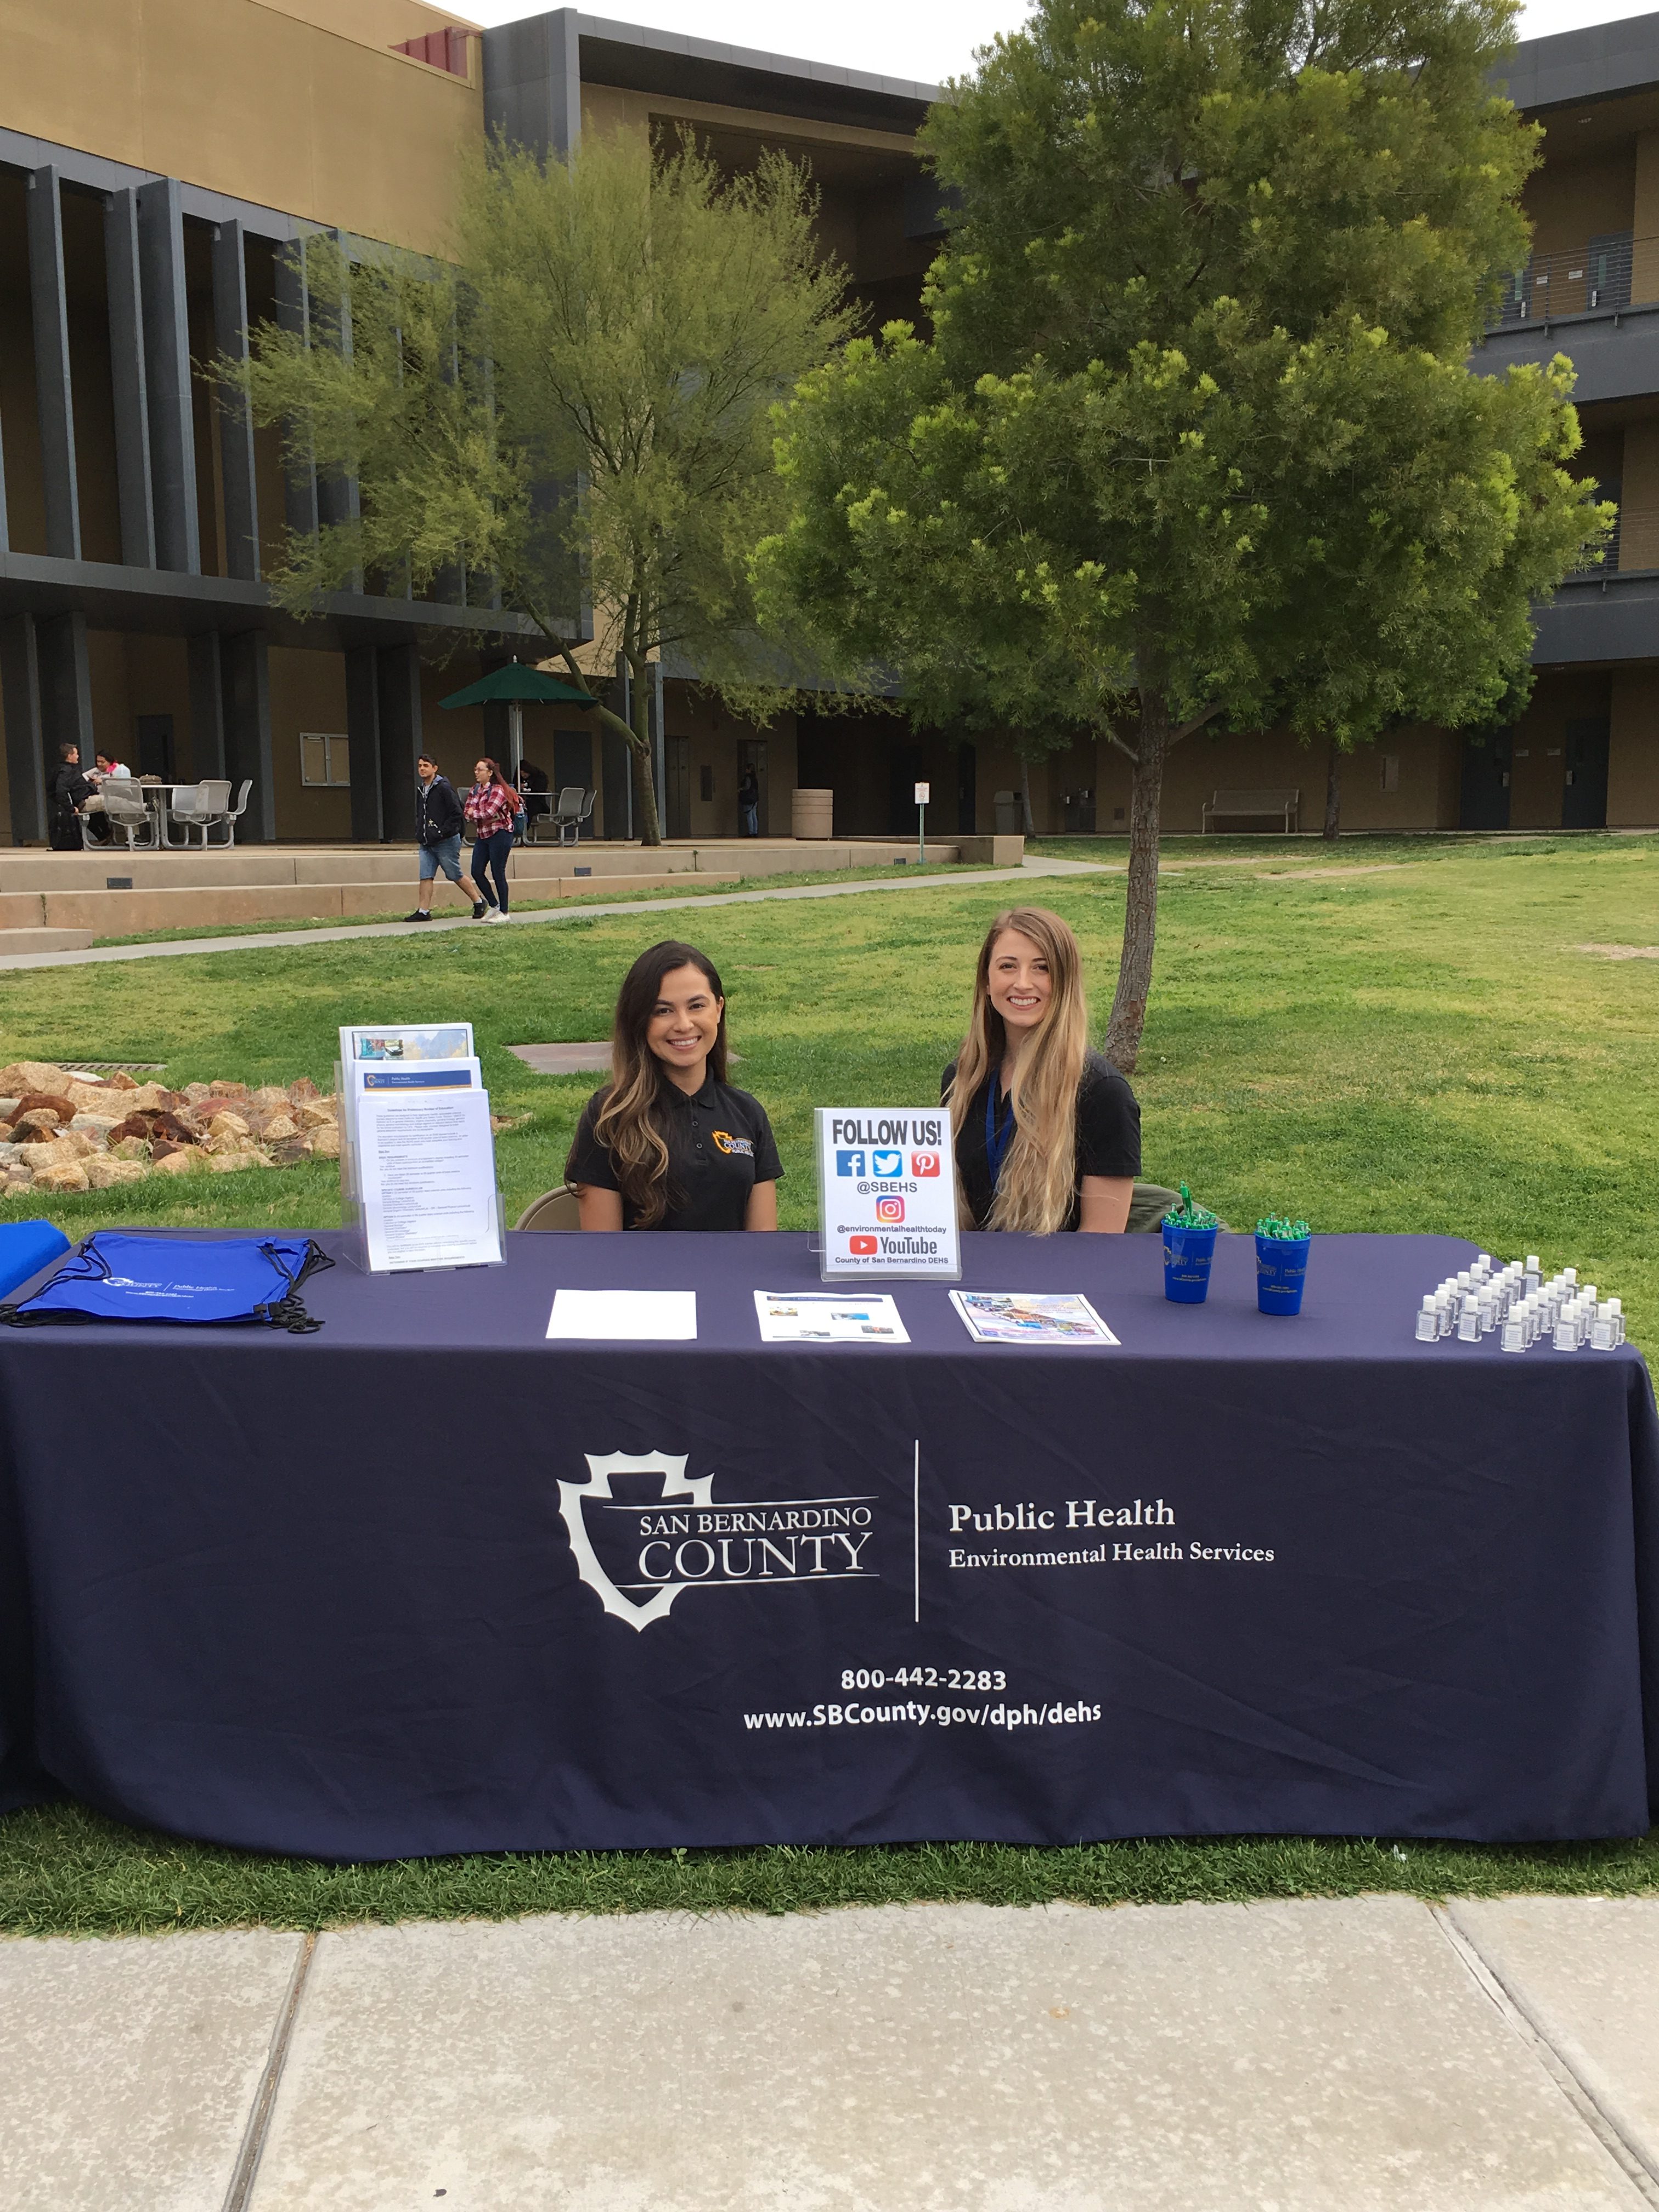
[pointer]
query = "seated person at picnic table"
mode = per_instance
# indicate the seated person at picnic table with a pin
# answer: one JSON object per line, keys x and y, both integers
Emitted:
{"x": 72, "y": 797}
{"x": 668, "y": 1142}
{"x": 1047, "y": 1133}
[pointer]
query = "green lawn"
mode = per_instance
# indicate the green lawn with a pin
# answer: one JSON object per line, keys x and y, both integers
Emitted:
{"x": 1417, "y": 1045}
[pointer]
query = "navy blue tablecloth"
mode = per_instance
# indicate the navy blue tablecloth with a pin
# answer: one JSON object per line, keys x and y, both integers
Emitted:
{"x": 392, "y": 1588}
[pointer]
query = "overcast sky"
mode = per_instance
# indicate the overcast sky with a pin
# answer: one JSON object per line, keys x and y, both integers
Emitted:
{"x": 924, "y": 41}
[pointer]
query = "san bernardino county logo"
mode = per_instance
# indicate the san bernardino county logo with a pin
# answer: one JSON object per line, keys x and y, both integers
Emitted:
{"x": 640, "y": 1553}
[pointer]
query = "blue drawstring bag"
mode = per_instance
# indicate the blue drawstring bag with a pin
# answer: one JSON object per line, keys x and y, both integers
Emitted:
{"x": 110, "y": 1277}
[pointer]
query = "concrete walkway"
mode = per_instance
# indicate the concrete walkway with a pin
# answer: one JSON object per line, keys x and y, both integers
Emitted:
{"x": 263, "y": 941}
{"x": 1372, "y": 2055}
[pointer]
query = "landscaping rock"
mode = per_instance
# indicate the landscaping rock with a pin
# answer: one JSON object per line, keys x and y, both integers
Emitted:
{"x": 228, "y": 1124}
{"x": 288, "y": 1151}
{"x": 101, "y": 1174}
{"x": 45, "y": 1102}
{"x": 95, "y": 1125}
{"x": 302, "y": 1091}
{"x": 130, "y": 1148}
{"x": 41, "y": 1155}
{"x": 228, "y": 1090}
{"x": 230, "y": 1162}
{"x": 280, "y": 1126}
{"x": 149, "y": 1098}
{"x": 313, "y": 1113}
{"x": 325, "y": 1141}
{"x": 26, "y": 1075}
{"x": 195, "y": 1092}
{"x": 269, "y": 1094}
{"x": 182, "y": 1160}
{"x": 39, "y": 1121}
{"x": 70, "y": 1175}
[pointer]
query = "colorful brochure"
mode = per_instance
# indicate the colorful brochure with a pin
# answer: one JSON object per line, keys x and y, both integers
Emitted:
{"x": 820, "y": 1317}
{"x": 1030, "y": 1317}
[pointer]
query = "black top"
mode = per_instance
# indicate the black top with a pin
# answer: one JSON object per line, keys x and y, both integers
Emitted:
{"x": 1108, "y": 1134}
{"x": 438, "y": 812}
{"x": 720, "y": 1146}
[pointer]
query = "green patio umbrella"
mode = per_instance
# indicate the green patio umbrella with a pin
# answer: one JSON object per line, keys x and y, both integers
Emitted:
{"x": 515, "y": 682}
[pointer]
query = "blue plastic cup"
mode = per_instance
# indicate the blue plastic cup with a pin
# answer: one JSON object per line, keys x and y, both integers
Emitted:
{"x": 1281, "y": 1269}
{"x": 1187, "y": 1256}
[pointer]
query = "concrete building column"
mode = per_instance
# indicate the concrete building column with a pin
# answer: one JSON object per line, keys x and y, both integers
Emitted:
{"x": 362, "y": 688}
{"x": 533, "y": 83}
{"x": 127, "y": 380}
{"x": 207, "y": 706}
{"x": 245, "y": 687}
{"x": 54, "y": 406}
{"x": 235, "y": 418}
{"x": 166, "y": 361}
{"x": 20, "y": 694}
{"x": 399, "y": 706}
{"x": 65, "y": 686}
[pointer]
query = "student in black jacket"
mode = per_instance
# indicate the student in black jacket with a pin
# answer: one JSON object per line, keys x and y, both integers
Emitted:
{"x": 438, "y": 823}
{"x": 71, "y": 792}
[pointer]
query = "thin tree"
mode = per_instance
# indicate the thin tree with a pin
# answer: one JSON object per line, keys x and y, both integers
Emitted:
{"x": 576, "y": 404}
{"x": 1195, "y": 440}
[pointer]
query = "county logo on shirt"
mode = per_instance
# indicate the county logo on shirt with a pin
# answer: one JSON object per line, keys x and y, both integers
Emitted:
{"x": 739, "y": 1147}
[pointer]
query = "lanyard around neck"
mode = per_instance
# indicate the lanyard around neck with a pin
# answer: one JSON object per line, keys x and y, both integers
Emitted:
{"x": 997, "y": 1138}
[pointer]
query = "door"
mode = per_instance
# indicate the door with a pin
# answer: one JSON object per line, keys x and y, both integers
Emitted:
{"x": 967, "y": 787}
{"x": 905, "y": 770}
{"x": 154, "y": 734}
{"x": 676, "y": 774}
{"x": 751, "y": 754}
{"x": 1485, "y": 800}
{"x": 1585, "y": 794}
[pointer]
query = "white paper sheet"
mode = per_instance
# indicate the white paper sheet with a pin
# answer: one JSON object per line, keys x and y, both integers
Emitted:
{"x": 624, "y": 1316}
{"x": 822, "y": 1317}
{"x": 1045, "y": 1317}
{"x": 427, "y": 1165}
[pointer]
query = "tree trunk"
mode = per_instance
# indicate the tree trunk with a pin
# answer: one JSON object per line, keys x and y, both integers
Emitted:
{"x": 1134, "y": 973}
{"x": 645, "y": 787}
{"x": 1333, "y": 794}
{"x": 1025, "y": 797}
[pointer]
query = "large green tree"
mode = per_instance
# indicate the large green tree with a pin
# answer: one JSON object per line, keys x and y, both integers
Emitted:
{"x": 576, "y": 403}
{"x": 1195, "y": 440}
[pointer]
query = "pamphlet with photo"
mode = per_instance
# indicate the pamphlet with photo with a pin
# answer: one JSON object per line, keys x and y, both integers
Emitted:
{"x": 1030, "y": 1317}
{"x": 825, "y": 1317}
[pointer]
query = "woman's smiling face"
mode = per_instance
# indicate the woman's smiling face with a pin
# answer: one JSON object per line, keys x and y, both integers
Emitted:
{"x": 686, "y": 1020}
{"x": 1019, "y": 983}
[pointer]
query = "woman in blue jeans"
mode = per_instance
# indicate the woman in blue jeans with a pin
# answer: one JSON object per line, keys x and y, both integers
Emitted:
{"x": 492, "y": 807}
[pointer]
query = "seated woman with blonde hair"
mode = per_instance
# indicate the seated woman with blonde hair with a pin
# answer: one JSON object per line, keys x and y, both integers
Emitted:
{"x": 1047, "y": 1133}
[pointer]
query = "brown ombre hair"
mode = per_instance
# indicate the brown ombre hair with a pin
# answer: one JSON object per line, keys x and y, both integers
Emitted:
{"x": 1038, "y": 1183}
{"x": 630, "y": 1124}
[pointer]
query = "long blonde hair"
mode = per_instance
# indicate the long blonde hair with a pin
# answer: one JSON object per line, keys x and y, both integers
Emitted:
{"x": 1038, "y": 1183}
{"x": 632, "y": 1122}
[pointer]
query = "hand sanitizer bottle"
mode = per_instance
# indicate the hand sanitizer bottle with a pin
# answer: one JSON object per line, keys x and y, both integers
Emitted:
{"x": 1468, "y": 1327}
{"x": 1514, "y": 1334}
{"x": 1616, "y": 1310}
{"x": 1601, "y": 1330}
{"x": 1534, "y": 1274}
{"x": 1428, "y": 1321}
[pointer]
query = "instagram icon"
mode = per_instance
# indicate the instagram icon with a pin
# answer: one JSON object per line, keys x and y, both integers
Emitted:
{"x": 889, "y": 1209}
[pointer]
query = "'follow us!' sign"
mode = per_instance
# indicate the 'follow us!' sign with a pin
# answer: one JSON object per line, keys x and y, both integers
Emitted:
{"x": 887, "y": 1191}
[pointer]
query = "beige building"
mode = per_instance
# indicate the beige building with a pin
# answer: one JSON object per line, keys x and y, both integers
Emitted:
{"x": 155, "y": 155}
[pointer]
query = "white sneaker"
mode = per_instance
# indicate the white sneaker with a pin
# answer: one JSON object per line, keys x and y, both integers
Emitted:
{"x": 495, "y": 915}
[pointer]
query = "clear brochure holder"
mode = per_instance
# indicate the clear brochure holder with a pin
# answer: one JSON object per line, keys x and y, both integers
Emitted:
{"x": 354, "y": 1222}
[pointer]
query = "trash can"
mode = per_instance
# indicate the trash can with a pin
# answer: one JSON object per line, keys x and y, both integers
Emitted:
{"x": 812, "y": 813}
{"x": 1009, "y": 821}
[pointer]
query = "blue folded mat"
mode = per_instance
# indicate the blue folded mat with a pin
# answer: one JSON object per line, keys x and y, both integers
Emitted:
{"x": 113, "y": 1277}
{"x": 26, "y": 1247}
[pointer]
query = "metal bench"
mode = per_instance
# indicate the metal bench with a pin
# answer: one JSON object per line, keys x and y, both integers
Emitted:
{"x": 1260, "y": 806}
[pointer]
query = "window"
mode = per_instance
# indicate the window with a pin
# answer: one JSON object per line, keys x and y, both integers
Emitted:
{"x": 444, "y": 50}
{"x": 323, "y": 759}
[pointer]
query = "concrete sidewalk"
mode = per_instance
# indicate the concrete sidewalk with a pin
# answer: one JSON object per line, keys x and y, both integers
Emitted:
{"x": 1373, "y": 2055}
{"x": 263, "y": 941}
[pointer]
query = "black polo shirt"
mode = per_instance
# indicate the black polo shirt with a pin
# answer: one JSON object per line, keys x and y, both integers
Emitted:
{"x": 720, "y": 1146}
{"x": 1108, "y": 1135}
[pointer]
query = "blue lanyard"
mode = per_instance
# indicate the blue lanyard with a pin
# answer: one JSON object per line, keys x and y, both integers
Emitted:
{"x": 997, "y": 1140}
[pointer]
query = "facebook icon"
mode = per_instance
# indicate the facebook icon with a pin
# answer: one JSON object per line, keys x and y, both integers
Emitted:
{"x": 849, "y": 1163}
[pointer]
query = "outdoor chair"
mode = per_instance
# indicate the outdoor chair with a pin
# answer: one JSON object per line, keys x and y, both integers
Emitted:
{"x": 127, "y": 816}
{"x": 573, "y": 814}
{"x": 234, "y": 814}
{"x": 202, "y": 809}
{"x": 554, "y": 1209}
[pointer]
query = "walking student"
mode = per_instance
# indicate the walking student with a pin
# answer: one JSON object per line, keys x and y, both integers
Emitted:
{"x": 492, "y": 808}
{"x": 668, "y": 1142}
{"x": 438, "y": 824}
{"x": 1047, "y": 1133}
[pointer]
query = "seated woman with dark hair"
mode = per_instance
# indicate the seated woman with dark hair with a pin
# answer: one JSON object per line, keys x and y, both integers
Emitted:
{"x": 668, "y": 1142}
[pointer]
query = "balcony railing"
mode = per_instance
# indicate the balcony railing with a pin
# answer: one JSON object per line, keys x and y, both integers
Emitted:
{"x": 1594, "y": 275}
